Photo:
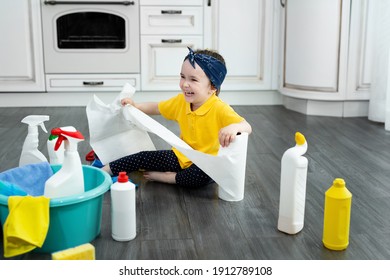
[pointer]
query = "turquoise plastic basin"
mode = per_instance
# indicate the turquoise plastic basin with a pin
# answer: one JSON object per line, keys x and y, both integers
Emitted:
{"x": 74, "y": 220}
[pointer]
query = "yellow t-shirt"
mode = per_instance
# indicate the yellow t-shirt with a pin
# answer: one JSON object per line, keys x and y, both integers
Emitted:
{"x": 199, "y": 128}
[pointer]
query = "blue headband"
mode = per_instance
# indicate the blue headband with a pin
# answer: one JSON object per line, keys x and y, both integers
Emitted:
{"x": 214, "y": 69}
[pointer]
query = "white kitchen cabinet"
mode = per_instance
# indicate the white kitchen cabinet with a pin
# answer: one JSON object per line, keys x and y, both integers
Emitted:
{"x": 21, "y": 52}
{"x": 166, "y": 32}
{"x": 243, "y": 33}
{"x": 326, "y": 57}
{"x": 360, "y": 52}
{"x": 171, "y": 2}
{"x": 171, "y": 20}
{"x": 162, "y": 58}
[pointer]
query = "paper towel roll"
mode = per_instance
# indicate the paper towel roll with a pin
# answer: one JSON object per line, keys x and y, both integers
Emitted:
{"x": 227, "y": 168}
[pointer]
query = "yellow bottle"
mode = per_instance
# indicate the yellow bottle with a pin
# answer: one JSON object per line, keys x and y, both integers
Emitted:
{"x": 337, "y": 213}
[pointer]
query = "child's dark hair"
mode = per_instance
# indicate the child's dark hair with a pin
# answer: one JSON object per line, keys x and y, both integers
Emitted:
{"x": 216, "y": 55}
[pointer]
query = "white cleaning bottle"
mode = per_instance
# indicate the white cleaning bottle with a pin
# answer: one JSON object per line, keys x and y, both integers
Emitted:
{"x": 69, "y": 180}
{"x": 293, "y": 187}
{"x": 123, "y": 209}
{"x": 30, "y": 153}
{"x": 55, "y": 157}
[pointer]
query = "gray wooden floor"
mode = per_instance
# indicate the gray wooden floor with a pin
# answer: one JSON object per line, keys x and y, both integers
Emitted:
{"x": 176, "y": 223}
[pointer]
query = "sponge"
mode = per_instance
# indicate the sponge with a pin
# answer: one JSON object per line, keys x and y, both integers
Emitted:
{"x": 82, "y": 252}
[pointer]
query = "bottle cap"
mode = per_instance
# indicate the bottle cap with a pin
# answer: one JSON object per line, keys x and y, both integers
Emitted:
{"x": 52, "y": 137}
{"x": 123, "y": 178}
{"x": 299, "y": 138}
{"x": 339, "y": 183}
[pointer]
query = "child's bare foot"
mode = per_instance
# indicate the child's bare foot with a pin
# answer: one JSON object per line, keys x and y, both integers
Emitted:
{"x": 164, "y": 177}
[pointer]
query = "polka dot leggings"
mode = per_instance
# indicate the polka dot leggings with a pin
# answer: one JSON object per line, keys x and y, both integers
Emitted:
{"x": 163, "y": 161}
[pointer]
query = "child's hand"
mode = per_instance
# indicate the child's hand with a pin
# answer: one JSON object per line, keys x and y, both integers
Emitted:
{"x": 126, "y": 101}
{"x": 227, "y": 134}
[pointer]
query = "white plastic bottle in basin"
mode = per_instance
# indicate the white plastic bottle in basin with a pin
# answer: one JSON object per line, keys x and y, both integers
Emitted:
{"x": 123, "y": 209}
{"x": 293, "y": 187}
{"x": 30, "y": 153}
{"x": 69, "y": 180}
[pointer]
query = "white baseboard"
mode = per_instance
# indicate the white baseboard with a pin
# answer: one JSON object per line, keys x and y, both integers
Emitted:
{"x": 346, "y": 108}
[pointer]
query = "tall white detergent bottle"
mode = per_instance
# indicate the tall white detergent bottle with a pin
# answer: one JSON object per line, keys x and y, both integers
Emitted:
{"x": 293, "y": 187}
{"x": 69, "y": 180}
{"x": 30, "y": 153}
{"x": 55, "y": 156}
{"x": 123, "y": 209}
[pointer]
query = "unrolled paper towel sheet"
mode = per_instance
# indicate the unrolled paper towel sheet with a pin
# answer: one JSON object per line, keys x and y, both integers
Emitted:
{"x": 227, "y": 169}
{"x": 111, "y": 135}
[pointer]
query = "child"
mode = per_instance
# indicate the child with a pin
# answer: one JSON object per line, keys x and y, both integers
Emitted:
{"x": 205, "y": 123}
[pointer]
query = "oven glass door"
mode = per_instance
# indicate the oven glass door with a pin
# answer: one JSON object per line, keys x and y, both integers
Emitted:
{"x": 91, "y": 37}
{"x": 91, "y": 30}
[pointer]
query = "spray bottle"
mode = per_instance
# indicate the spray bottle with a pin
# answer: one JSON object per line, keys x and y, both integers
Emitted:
{"x": 293, "y": 187}
{"x": 337, "y": 216}
{"x": 55, "y": 157}
{"x": 123, "y": 209}
{"x": 69, "y": 179}
{"x": 30, "y": 153}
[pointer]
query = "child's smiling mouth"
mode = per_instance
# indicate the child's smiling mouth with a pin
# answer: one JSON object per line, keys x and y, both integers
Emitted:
{"x": 189, "y": 93}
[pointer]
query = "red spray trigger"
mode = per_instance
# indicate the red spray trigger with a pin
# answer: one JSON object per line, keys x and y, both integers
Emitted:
{"x": 62, "y": 136}
{"x": 59, "y": 142}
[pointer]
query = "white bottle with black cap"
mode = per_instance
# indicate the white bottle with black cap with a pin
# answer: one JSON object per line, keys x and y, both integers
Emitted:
{"x": 123, "y": 209}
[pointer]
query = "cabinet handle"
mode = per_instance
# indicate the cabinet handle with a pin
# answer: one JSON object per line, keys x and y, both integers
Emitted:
{"x": 125, "y": 3}
{"x": 171, "y": 41}
{"x": 93, "y": 83}
{"x": 282, "y": 4}
{"x": 171, "y": 12}
{"x": 209, "y": 3}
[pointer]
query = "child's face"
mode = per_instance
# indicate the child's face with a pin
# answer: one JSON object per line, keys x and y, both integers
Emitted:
{"x": 195, "y": 85}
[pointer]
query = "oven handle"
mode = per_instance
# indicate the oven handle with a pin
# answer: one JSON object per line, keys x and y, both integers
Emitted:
{"x": 125, "y": 3}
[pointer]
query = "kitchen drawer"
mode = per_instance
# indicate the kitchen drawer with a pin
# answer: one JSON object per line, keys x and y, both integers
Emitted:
{"x": 171, "y": 20}
{"x": 171, "y": 2}
{"x": 90, "y": 82}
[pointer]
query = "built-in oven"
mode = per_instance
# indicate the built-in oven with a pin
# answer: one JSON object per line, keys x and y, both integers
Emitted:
{"x": 95, "y": 41}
